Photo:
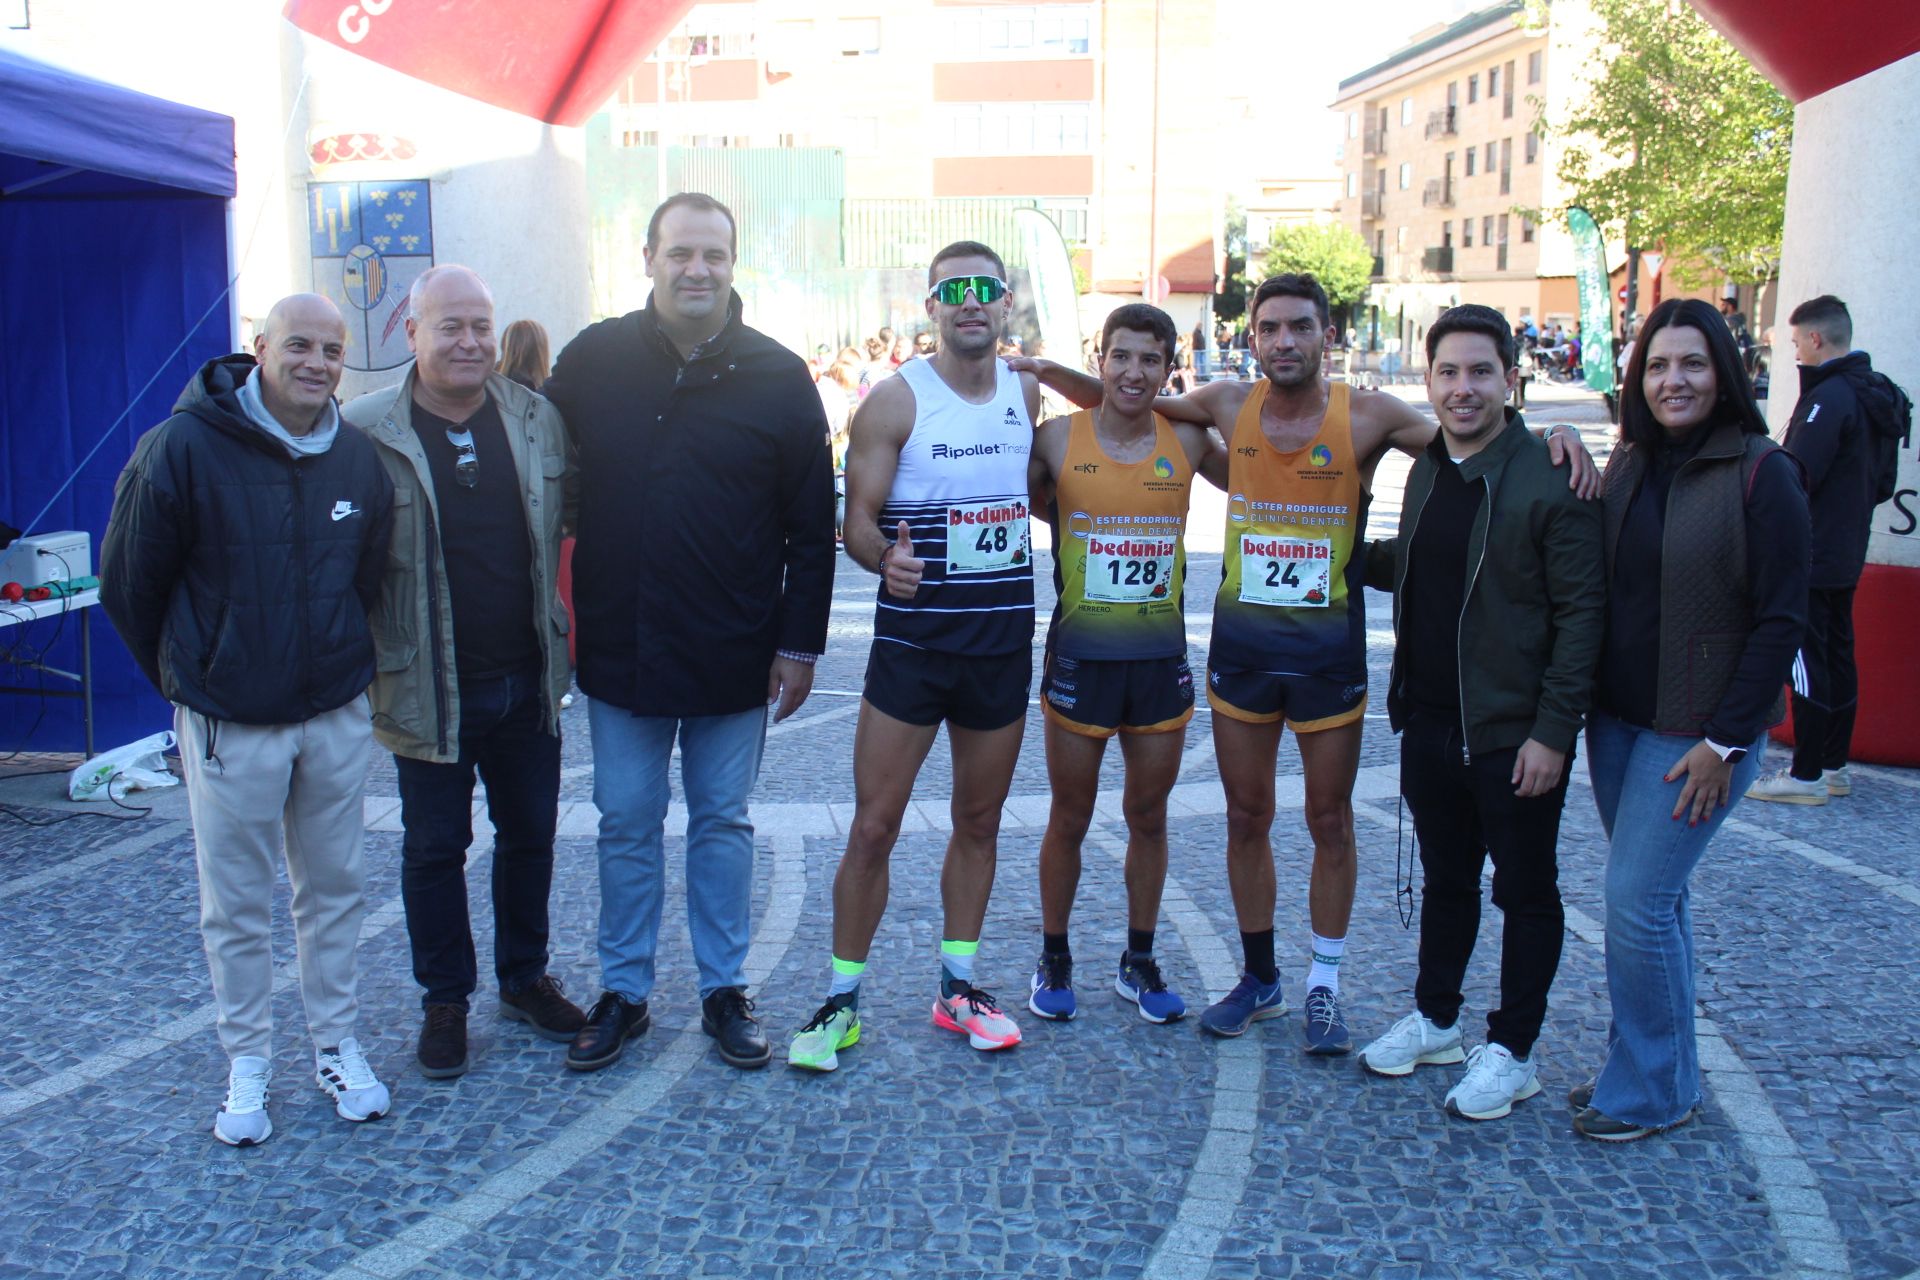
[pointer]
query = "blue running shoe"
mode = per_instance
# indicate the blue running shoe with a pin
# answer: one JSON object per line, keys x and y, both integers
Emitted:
{"x": 1326, "y": 1029}
{"x": 1248, "y": 1002}
{"x": 1052, "y": 988}
{"x": 1140, "y": 982}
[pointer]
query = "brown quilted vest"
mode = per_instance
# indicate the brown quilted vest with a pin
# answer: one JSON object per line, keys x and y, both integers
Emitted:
{"x": 1706, "y": 614}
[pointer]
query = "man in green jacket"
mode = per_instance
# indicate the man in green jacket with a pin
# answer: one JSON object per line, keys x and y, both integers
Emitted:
{"x": 1499, "y": 605}
{"x": 471, "y": 648}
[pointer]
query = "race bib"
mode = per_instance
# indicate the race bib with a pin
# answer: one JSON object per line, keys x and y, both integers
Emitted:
{"x": 1129, "y": 570}
{"x": 986, "y": 537}
{"x": 1292, "y": 573}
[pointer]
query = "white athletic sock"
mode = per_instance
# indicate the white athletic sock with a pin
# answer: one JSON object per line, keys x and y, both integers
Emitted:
{"x": 1325, "y": 970}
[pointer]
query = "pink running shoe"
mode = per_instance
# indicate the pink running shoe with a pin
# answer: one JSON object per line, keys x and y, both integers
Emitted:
{"x": 976, "y": 1015}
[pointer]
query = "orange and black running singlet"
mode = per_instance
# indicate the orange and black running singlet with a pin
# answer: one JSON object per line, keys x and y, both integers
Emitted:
{"x": 1292, "y": 596}
{"x": 1119, "y": 562}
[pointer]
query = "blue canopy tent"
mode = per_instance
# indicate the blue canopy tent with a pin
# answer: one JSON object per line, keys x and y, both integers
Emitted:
{"x": 114, "y": 266}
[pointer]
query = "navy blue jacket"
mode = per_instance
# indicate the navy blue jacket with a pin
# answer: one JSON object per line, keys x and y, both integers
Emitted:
{"x": 1831, "y": 436}
{"x": 703, "y": 514}
{"x": 241, "y": 578}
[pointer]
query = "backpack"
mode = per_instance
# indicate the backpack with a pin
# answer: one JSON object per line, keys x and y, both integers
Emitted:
{"x": 1889, "y": 414}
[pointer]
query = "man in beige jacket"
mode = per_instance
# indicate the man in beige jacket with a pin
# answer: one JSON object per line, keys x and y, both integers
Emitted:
{"x": 471, "y": 645}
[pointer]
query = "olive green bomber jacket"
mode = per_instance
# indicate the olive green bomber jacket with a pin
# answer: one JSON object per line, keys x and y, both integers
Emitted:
{"x": 416, "y": 688}
{"x": 1534, "y": 615}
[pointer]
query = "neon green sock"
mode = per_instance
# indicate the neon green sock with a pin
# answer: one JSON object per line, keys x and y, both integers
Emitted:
{"x": 956, "y": 964}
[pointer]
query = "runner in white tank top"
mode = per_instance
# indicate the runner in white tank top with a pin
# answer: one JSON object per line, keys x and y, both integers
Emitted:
{"x": 937, "y": 504}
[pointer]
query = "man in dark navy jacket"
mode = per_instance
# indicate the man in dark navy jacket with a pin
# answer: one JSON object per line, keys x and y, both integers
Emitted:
{"x": 1830, "y": 435}
{"x": 248, "y": 535}
{"x": 702, "y": 577}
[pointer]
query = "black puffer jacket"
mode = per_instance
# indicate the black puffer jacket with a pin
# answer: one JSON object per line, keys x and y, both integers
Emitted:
{"x": 240, "y": 577}
{"x": 1832, "y": 438}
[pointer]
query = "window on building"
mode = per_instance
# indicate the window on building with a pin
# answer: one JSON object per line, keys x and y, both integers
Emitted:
{"x": 1406, "y": 175}
{"x": 1500, "y": 246}
{"x": 1406, "y": 111}
{"x": 1446, "y": 234}
{"x": 1533, "y": 67}
{"x": 979, "y": 32}
{"x": 1486, "y": 229}
{"x": 1071, "y": 216}
{"x": 1506, "y": 166}
{"x": 1353, "y": 184}
{"x": 1466, "y": 233}
{"x": 1012, "y": 128}
{"x": 1506, "y": 98}
{"x": 1453, "y": 93}
{"x": 1493, "y": 83}
{"x": 1472, "y": 156}
{"x": 1379, "y": 244}
{"x": 1533, "y": 147}
{"x": 1383, "y": 122}
{"x": 1473, "y": 88}
{"x": 1526, "y": 229}
{"x": 1382, "y": 186}
{"x": 859, "y": 37}
{"x": 1492, "y": 157}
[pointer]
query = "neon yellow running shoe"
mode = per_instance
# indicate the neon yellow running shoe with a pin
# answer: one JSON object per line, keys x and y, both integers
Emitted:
{"x": 816, "y": 1046}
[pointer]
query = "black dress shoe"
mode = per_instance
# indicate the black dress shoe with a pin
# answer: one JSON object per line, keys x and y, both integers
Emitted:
{"x": 613, "y": 1021}
{"x": 727, "y": 1016}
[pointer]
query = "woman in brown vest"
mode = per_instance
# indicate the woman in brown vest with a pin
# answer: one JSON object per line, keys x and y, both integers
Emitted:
{"x": 1707, "y": 538}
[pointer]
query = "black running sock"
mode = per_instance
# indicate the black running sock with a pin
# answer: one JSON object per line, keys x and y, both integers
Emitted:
{"x": 1258, "y": 950}
{"x": 1140, "y": 942}
{"x": 1054, "y": 944}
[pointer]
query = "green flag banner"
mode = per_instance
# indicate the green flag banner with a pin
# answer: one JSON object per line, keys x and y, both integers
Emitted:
{"x": 1596, "y": 305}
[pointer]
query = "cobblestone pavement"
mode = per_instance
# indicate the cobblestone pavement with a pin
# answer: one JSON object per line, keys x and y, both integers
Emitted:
{"x": 1104, "y": 1147}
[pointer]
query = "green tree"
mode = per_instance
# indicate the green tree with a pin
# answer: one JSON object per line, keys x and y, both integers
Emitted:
{"x": 1230, "y": 303}
{"x": 1336, "y": 255}
{"x": 1679, "y": 143}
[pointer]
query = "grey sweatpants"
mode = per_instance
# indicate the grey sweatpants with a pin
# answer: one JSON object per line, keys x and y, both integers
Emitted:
{"x": 262, "y": 787}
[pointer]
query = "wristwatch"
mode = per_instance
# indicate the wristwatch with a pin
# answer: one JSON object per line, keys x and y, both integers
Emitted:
{"x": 1731, "y": 755}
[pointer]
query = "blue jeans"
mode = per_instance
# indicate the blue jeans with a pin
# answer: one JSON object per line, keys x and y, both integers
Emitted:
{"x": 719, "y": 763}
{"x": 503, "y": 736}
{"x": 1652, "y": 1073}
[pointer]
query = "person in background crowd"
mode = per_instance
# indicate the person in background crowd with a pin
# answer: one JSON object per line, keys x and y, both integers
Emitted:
{"x": 1831, "y": 435}
{"x": 244, "y": 553}
{"x": 525, "y": 355}
{"x": 1707, "y": 537}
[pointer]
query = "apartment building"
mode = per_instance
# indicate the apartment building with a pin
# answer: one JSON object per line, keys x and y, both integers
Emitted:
{"x": 1439, "y": 157}
{"x": 1097, "y": 111}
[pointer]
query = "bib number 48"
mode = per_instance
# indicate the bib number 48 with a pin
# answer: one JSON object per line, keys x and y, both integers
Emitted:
{"x": 991, "y": 539}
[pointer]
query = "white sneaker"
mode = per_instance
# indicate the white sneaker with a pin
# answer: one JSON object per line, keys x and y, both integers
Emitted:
{"x": 1410, "y": 1042}
{"x": 1839, "y": 781}
{"x": 243, "y": 1121}
{"x": 1495, "y": 1080}
{"x": 1783, "y": 788}
{"x": 350, "y": 1082}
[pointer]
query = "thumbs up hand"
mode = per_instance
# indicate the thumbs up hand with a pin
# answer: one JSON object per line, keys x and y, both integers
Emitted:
{"x": 899, "y": 567}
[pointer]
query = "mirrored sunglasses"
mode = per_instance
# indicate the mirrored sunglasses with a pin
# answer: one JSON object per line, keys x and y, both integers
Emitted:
{"x": 953, "y": 290}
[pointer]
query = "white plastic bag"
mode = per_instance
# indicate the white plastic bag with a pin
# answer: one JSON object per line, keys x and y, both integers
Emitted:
{"x": 138, "y": 766}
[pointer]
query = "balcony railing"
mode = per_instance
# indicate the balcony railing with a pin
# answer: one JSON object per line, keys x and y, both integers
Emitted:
{"x": 1438, "y": 194}
{"x": 1370, "y": 204}
{"x": 1373, "y": 142}
{"x": 1438, "y": 260}
{"x": 1442, "y": 123}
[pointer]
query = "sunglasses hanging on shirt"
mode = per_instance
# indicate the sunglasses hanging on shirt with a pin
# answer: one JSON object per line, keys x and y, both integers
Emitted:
{"x": 466, "y": 465}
